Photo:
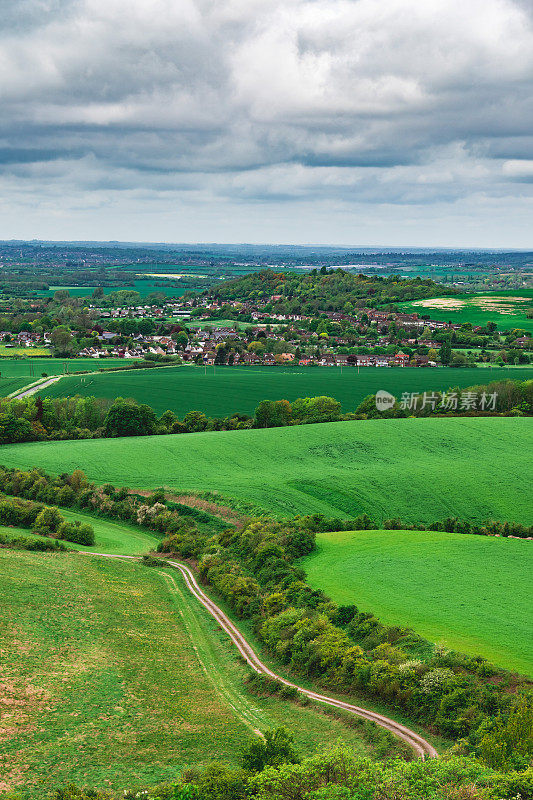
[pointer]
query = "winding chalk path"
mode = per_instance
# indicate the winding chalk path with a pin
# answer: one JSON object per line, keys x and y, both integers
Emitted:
{"x": 421, "y": 747}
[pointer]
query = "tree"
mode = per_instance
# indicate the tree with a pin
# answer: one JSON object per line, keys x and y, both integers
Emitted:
{"x": 195, "y": 421}
{"x": 62, "y": 340}
{"x": 273, "y": 413}
{"x": 61, "y": 296}
{"x": 48, "y": 521}
{"x": 127, "y": 418}
{"x": 316, "y": 409}
{"x": 458, "y": 360}
{"x": 445, "y": 352}
{"x": 77, "y": 532}
{"x": 16, "y": 429}
{"x": 181, "y": 339}
{"x": 275, "y": 749}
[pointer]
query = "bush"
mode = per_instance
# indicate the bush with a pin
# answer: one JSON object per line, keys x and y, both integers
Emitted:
{"x": 276, "y": 748}
{"x": 47, "y": 522}
{"x": 77, "y": 532}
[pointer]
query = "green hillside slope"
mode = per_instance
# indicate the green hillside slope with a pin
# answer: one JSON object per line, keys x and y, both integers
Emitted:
{"x": 418, "y": 469}
{"x": 470, "y": 593}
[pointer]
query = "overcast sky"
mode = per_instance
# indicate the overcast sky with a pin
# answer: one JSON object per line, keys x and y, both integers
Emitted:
{"x": 381, "y": 122}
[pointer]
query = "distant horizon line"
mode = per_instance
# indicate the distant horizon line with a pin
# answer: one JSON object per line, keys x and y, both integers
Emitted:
{"x": 373, "y": 247}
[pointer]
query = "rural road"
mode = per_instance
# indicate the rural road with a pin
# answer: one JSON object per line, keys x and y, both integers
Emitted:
{"x": 421, "y": 747}
{"x": 34, "y": 389}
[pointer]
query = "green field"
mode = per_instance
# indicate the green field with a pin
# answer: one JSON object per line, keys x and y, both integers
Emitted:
{"x": 221, "y": 391}
{"x": 110, "y": 537}
{"x": 223, "y": 323}
{"x": 10, "y": 385}
{"x": 34, "y": 367}
{"x": 142, "y": 285}
{"x": 507, "y": 309}
{"x": 469, "y": 593}
{"x": 27, "y": 352}
{"x": 108, "y": 656}
{"x": 417, "y": 469}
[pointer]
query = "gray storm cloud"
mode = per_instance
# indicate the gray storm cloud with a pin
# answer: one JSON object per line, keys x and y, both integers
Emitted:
{"x": 337, "y": 105}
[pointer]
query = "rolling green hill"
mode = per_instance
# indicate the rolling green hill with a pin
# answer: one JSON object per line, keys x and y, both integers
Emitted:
{"x": 469, "y": 593}
{"x": 224, "y": 390}
{"x": 417, "y": 469}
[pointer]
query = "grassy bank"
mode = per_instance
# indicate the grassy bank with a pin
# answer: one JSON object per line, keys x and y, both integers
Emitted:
{"x": 103, "y": 663}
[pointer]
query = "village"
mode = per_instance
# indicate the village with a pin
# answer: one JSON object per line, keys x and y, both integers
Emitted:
{"x": 209, "y": 331}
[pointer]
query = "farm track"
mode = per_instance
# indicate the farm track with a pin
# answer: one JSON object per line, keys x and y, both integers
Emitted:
{"x": 30, "y": 389}
{"x": 421, "y": 747}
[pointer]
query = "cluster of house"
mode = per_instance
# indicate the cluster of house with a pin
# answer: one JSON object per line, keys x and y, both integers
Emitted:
{"x": 22, "y": 339}
{"x": 202, "y": 347}
{"x": 140, "y": 312}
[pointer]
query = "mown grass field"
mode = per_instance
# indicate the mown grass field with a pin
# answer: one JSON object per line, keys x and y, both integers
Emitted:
{"x": 221, "y": 391}
{"x": 415, "y": 469}
{"x": 469, "y": 593}
{"x": 507, "y": 308}
{"x": 104, "y": 686}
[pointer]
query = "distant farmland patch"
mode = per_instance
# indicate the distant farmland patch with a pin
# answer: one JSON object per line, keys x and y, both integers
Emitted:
{"x": 415, "y": 469}
{"x": 507, "y": 309}
{"x": 469, "y": 593}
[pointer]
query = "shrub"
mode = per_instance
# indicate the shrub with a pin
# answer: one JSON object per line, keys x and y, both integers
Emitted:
{"x": 77, "y": 532}
{"x": 48, "y": 521}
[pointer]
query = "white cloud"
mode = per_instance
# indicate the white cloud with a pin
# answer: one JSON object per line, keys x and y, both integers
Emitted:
{"x": 274, "y": 101}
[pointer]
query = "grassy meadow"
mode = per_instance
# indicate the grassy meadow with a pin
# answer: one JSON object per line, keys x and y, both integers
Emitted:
{"x": 468, "y": 593}
{"x": 415, "y": 469}
{"x": 110, "y": 657}
{"x": 507, "y": 308}
{"x": 221, "y": 391}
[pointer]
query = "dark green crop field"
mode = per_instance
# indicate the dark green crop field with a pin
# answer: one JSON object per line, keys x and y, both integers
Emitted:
{"x": 468, "y": 593}
{"x": 32, "y": 368}
{"x": 221, "y": 391}
{"x": 417, "y": 469}
{"x": 9, "y": 385}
